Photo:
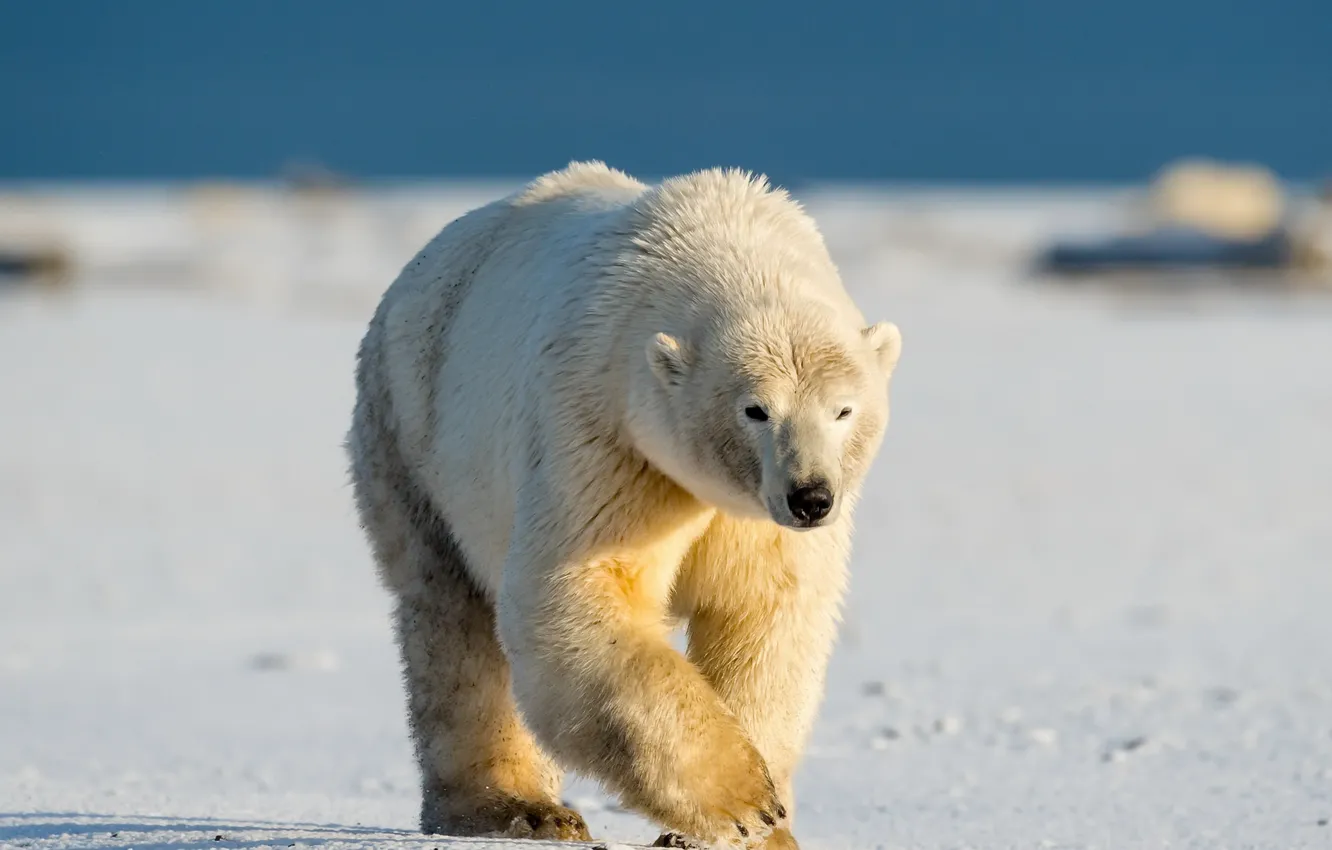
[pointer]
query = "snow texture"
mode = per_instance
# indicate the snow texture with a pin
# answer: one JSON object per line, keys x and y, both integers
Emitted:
{"x": 1090, "y": 603}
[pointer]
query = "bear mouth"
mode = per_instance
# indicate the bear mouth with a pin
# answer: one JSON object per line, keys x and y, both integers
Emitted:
{"x": 804, "y": 525}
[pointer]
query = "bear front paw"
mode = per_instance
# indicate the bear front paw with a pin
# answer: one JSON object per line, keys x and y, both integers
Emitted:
{"x": 746, "y": 808}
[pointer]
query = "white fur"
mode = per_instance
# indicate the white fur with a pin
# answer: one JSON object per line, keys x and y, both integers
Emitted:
{"x": 569, "y": 370}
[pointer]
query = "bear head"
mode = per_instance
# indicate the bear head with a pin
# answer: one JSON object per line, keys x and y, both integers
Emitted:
{"x": 776, "y": 412}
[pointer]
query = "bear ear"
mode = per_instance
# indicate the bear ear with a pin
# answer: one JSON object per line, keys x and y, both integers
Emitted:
{"x": 885, "y": 340}
{"x": 667, "y": 358}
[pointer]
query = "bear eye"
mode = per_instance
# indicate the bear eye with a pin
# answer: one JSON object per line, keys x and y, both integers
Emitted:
{"x": 756, "y": 413}
{"x": 846, "y": 411}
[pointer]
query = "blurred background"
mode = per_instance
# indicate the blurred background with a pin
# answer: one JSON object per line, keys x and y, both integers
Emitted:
{"x": 1034, "y": 91}
{"x": 1090, "y": 586}
{"x": 218, "y": 99}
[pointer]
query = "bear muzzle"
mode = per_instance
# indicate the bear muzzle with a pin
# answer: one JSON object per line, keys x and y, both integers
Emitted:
{"x": 807, "y": 506}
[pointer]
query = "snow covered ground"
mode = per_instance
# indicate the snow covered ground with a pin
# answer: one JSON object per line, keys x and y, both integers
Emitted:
{"x": 1092, "y": 595}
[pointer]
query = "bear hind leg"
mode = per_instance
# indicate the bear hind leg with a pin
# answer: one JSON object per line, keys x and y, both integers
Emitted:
{"x": 482, "y": 772}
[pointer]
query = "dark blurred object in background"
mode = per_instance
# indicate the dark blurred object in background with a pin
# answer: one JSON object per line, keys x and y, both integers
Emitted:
{"x": 1205, "y": 215}
{"x": 45, "y": 265}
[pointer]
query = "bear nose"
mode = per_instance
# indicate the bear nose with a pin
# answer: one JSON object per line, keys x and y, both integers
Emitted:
{"x": 810, "y": 504}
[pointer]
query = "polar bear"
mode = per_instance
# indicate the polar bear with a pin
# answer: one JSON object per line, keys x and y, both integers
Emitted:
{"x": 589, "y": 411}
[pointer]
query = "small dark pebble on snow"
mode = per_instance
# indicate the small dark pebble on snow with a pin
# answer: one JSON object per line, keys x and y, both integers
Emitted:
{"x": 1322, "y": 821}
{"x": 1120, "y": 749}
{"x": 1223, "y": 696}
